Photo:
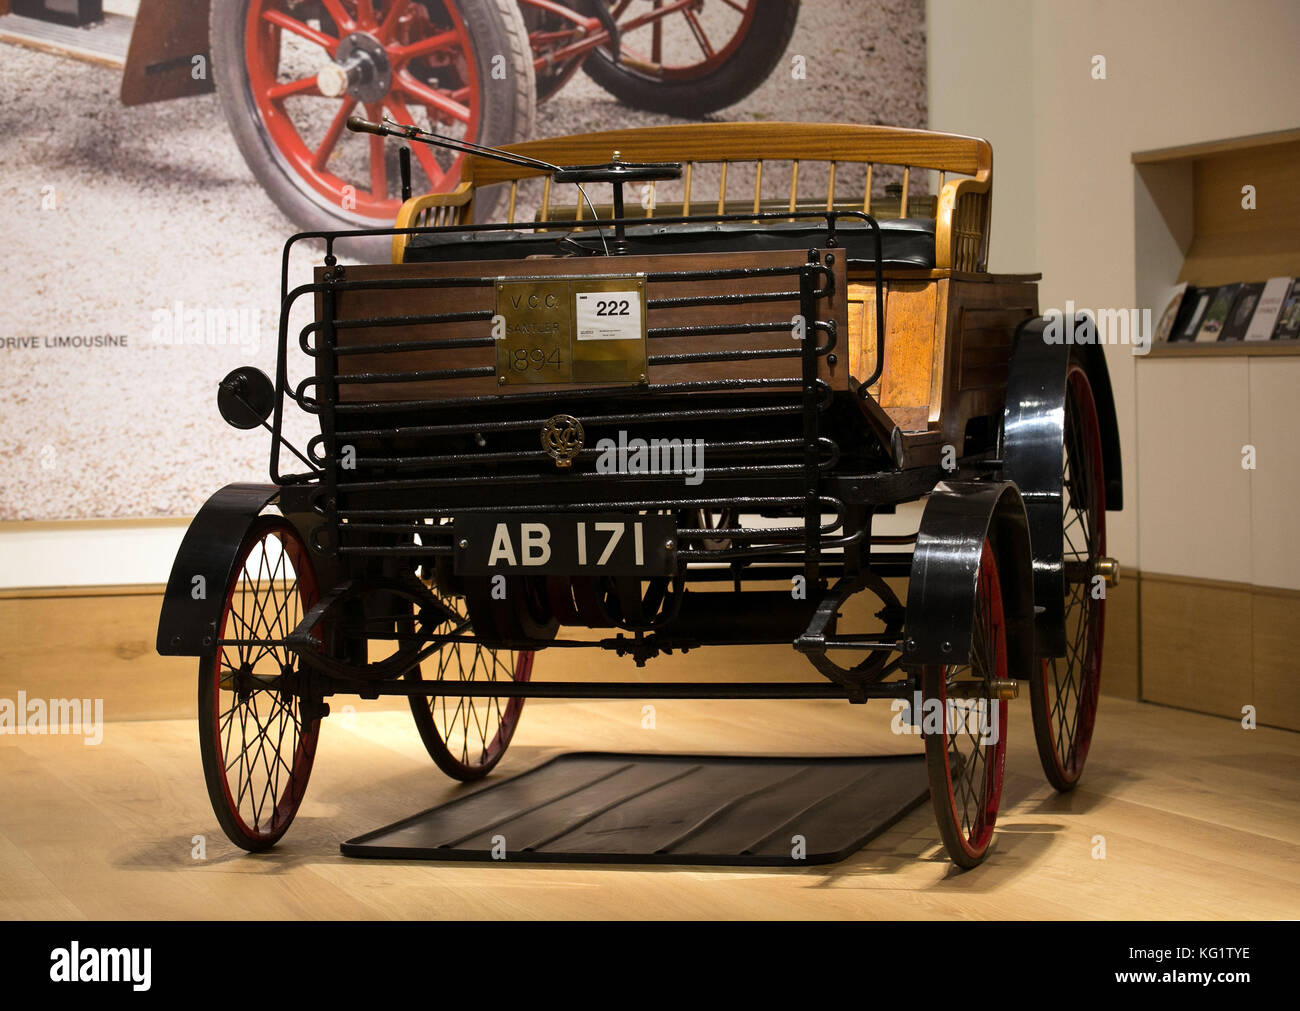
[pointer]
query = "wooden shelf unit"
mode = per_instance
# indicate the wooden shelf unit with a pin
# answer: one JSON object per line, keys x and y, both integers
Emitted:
{"x": 1196, "y": 190}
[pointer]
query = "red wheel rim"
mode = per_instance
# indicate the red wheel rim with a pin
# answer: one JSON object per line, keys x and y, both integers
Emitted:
{"x": 307, "y": 129}
{"x": 711, "y": 39}
{"x": 267, "y": 597}
{"x": 1072, "y": 683}
{"x": 974, "y": 768}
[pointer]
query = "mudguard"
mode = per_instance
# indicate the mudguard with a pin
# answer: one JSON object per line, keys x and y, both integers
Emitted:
{"x": 1033, "y": 433}
{"x": 167, "y": 40}
{"x": 945, "y": 573}
{"x": 191, "y": 609}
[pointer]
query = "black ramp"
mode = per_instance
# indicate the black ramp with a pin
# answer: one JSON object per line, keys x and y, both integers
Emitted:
{"x": 592, "y": 807}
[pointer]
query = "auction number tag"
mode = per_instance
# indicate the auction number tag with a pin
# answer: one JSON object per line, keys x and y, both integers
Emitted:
{"x": 608, "y": 315}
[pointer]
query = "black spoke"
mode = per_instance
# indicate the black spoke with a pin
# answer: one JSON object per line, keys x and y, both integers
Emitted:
{"x": 1065, "y": 698}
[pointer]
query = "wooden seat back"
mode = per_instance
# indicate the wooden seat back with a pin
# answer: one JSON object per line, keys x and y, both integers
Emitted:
{"x": 961, "y": 210}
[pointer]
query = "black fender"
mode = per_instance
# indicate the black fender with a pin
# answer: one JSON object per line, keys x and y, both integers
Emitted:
{"x": 1033, "y": 434}
{"x": 945, "y": 574}
{"x": 188, "y": 623}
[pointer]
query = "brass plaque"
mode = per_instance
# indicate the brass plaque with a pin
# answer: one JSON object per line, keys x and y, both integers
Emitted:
{"x": 580, "y": 330}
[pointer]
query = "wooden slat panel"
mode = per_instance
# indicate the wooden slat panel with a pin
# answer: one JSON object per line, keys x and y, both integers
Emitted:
{"x": 363, "y": 304}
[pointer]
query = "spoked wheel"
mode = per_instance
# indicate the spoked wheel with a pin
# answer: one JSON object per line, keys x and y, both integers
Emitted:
{"x": 966, "y": 734}
{"x": 1064, "y": 695}
{"x": 467, "y": 736}
{"x": 257, "y": 748}
{"x": 697, "y": 58}
{"x": 289, "y": 73}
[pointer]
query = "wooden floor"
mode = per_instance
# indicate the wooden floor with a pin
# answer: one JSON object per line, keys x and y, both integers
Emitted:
{"x": 1199, "y": 817}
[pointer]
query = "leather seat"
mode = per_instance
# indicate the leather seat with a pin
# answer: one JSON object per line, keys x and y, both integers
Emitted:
{"x": 906, "y": 242}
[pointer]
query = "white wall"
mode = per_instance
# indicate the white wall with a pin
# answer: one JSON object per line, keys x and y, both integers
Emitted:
{"x": 87, "y": 554}
{"x": 1019, "y": 72}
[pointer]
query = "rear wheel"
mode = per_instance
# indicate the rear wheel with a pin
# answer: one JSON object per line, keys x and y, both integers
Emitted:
{"x": 467, "y": 736}
{"x": 1063, "y": 697}
{"x": 256, "y": 745}
{"x": 965, "y": 723}
{"x": 457, "y": 67}
{"x": 695, "y": 60}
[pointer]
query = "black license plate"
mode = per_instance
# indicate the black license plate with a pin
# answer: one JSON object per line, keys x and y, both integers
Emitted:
{"x": 590, "y": 543}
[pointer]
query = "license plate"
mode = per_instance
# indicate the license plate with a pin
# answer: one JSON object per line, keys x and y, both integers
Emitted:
{"x": 579, "y": 330}
{"x": 595, "y": 544}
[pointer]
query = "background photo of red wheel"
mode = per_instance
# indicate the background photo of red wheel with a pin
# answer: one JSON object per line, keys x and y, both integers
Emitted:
{"x": 466, "y": 737}
{"x": 257, "y": 749}
{"x": 289, "y": 73}
{"x": 1064, "y": 696}
{"x": 692, "y": 57}
{"x": 966, "y": 758}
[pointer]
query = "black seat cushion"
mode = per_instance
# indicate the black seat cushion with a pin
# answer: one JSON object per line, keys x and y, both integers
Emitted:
{"x": 906, "y": 242}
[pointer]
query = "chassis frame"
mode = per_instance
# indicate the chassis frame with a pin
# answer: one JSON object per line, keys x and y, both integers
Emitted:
{"x": 381, "y": 547}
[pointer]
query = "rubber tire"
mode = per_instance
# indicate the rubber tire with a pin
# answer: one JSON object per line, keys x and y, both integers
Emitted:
{"x": 746, "y": 69}
{"x": 212, "y": 761}
{"x": 505, "y": 116}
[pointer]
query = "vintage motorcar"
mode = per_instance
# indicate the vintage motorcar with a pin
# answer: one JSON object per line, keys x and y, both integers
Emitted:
{"x": 681, "y": 421}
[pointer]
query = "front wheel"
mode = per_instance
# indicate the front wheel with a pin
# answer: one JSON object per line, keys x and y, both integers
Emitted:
{"x": 256, "y": 745}
{"x": 965, "y": 724}
{"x": 698, "y": 58}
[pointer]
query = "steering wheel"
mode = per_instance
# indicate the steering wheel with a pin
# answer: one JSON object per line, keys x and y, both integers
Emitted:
{"x": 617, "y": 172}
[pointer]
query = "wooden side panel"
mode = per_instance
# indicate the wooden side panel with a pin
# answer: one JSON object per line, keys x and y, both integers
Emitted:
{"x": 1196, "y": 645}
{"x": 981, "y": 321}
{"x": 911, "y": 312}
{"x": 1275, "y": 623}
{"x": 1119, "y": 673}
{"x": 474, "y": 297}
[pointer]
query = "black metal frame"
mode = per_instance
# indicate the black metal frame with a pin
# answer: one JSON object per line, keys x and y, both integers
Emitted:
{"x": 387, "y": 512}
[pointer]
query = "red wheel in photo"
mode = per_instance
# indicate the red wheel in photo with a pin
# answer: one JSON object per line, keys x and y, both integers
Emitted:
{"x": 289, "y": 73}
{"x": 695, "y": 57}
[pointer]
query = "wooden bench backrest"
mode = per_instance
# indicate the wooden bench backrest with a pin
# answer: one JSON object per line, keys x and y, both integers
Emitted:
{"x": 961, "y": 211}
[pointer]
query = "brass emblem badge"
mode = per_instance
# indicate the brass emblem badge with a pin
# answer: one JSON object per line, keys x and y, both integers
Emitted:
{"x": 562, "y": 438}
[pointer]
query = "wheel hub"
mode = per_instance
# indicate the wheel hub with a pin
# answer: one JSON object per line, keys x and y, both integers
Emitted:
{"x": 361, "y": 68}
